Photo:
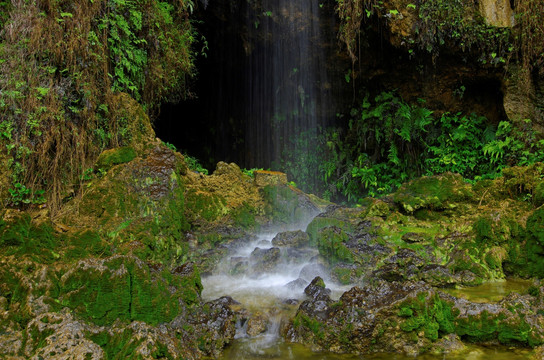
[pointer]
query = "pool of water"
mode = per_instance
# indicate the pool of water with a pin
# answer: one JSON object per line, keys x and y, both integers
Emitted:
{"x": 491, "y": 291}
{"x": 255, "y": 348}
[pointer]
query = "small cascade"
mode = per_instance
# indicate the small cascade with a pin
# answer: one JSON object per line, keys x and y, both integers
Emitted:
{"x": 267, "y": 276}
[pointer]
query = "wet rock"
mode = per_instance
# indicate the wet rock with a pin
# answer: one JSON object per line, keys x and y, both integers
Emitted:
{"x": 299, "y": 256}
{"x": 264, "y": 243}
{"x": 264, "y": 260}
{"x": 291, "y": 302}
{"x": 215, "y": 326}
{"x": 60, "y": 336}
{"x": 404, "y": 257}
{"x": 449, "y": 344}
{"x": 294, "y": 239}
{"x": 257, "y": 324}
{"x": 239, "y": 265}
{"x": 296, "y": 285}
{"x": 411, "y": 318}
{"x": 437, "y": 275}
{"x": 317, "y": 289}
{"x": 11, "y": 342}
{"x": 310, "y": 271}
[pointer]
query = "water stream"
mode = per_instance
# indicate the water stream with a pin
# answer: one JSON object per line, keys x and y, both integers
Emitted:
{"x": 268, "y": 281}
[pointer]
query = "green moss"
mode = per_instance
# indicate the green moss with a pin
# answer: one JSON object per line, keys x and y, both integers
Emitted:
{"x": 319, "y": 223}
{"x": 435, "y": 192}
{"x": 244, "y": 216}
{"x": 538, "y": 194}
{"x": 206, "y": 206}
{"x": 331, "y": 244}
{"x": 123, "y": 288}
{"x": 343, "y": 275}
{"x": 313, "y": 325}
{"x": 432, "y": 315}
{"x": 20, "y": 236}
{"x": 282, "y": 204}
{"x": 121, "y": 345}
{"x": 535, "y": 225}
{"x": 113, "y": 157}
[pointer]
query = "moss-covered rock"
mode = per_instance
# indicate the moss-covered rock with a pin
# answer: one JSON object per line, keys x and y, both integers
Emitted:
{"x": 125, "y": 288}
{"x": 112, "y": 157}
{"x": 434, "y": 192}
{"x": 287, "y": 205}
{"x": 331, "y": 242}
{"x": 413, "y": 318}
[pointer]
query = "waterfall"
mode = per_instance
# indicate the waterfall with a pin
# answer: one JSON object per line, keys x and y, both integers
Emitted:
{"x": 288, "y": 94}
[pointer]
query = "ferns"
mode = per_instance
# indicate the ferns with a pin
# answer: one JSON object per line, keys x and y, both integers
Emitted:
{"x": 389, "y": 141}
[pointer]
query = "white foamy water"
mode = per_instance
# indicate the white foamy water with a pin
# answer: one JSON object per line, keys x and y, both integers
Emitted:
{"x": 257, "y": 289}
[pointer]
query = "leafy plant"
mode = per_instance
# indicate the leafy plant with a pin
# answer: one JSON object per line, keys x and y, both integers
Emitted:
{"x": 194, "y": 164}
{"x": 20, "y": 194}
{"x": 388, "y": 142}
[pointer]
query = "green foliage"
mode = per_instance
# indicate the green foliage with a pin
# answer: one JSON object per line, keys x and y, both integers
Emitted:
{"x": 444, "y": 23}
{"x": 301, "y": 158}
{"x": 58, "y": 107}
{"x": 251, "y": 172}
{"x": 20, "y": 194}
{"x": 194, "y": 164}
{"x": 388, "y": 142}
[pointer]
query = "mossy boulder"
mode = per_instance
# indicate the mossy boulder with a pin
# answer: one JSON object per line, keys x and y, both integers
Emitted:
{"x": 142, "y": 200}
{"x": 342, "y": 218}
{"x": 412, "y": 318}
{"x": 287, "y": 205}
{"x": 112, "y": 157}
{"x": 294, "y": 239}
{"x": 331, "y": 242}
{"x": 437, "y": 192}
{"x": 264, "y": 260}
{"x": 137, "y": 132}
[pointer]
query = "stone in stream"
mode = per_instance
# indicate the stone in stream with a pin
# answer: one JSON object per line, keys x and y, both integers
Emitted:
{"x": 264, "y": 260}
{"x": 317, "y": 289}
{"x": 239, "y": 265}
{"x": 310, "y": 271}
{"x": 298, "y": 256}
{"x": 294, "y": 239}
{"x": 257, "y": 324}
